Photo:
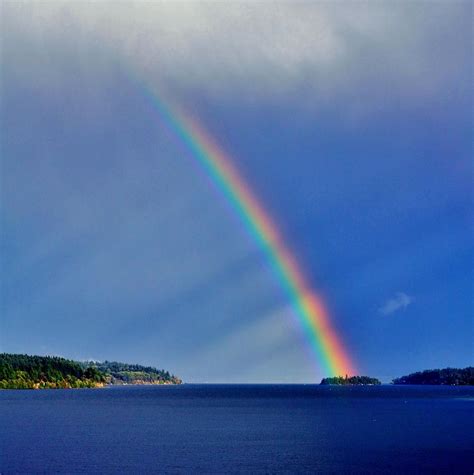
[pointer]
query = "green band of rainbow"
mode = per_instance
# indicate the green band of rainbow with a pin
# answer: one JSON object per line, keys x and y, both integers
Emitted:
{"x": 308, "y": 307}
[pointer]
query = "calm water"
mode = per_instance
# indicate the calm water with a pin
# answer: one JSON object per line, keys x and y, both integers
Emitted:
{"x": 225, "y": 429}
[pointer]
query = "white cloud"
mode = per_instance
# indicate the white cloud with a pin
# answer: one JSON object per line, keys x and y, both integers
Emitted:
{"x": 400, "y": 301}
{"x": 319, "y": 52}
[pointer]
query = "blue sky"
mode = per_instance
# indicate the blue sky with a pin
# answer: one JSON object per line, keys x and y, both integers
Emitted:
{"x": 352, "y": 124}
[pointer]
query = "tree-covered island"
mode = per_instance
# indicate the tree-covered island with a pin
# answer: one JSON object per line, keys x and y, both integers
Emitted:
{"x": 350, "y": 381}
{"x": 446, "y": 376}
{"x": 51, "y": 372}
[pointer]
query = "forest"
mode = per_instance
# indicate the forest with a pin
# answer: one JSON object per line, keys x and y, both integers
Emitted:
{"x": 53, "y": 372}
{"x": 46, "y": 372}
{"x": 446, "y": 376}
{"x": 123, "y": 373}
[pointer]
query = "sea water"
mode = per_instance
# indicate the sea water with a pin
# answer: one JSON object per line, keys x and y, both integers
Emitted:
{"x": 238, "y": 429}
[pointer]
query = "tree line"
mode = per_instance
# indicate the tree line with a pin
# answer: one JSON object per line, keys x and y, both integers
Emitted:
{"x": 350, "y": 381}
{"x": 123, "y": 373}
{"x": 32, "y": 372}
{"x": 37, "y": 372}
{"x": 446, "y": 376}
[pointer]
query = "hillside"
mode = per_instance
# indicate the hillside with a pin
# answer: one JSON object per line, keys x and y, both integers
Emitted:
{"x": 123, "y": 373}
{"x": 51, "y": 372}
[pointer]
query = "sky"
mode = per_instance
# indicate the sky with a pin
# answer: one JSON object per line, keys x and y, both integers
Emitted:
{"x": 350, "y": 121}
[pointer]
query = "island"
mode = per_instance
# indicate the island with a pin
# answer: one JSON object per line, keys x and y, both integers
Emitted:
{"x": 446, "y": 376}
{"x": 351, "y": 381}
{"x": 53, "y": 372}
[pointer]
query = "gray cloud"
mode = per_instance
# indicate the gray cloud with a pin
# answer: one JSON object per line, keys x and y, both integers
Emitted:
{"x": 400, "y": 301}
{"x": 319, "y": 52}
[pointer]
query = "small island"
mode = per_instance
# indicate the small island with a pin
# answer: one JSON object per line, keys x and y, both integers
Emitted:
{"x": 350, "y": 381}
{"x": 446, "y": 376}
{"x": 52, "y": 372}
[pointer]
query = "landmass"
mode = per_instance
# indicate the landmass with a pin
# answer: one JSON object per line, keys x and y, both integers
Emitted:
{"x": 52, "y": 372}
{"x": 48, "y": 372}
{"x": 123, "y": 373}
{"x": 446, "y": 376}
{"x": 351, "y": 381}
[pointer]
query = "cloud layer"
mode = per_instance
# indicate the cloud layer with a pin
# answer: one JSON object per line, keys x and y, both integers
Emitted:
{"x": 318, "y": 52}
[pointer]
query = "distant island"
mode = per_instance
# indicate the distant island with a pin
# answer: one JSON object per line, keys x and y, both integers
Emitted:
{"x": 350, "y": 381}
{"x": 51, "y": 372}
{"x": 446, "y": 376}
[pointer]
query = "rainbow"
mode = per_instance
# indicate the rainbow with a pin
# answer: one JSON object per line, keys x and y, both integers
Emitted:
{"x": 307, "y": 306}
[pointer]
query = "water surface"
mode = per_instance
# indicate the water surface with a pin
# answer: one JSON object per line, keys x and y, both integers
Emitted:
{"x": 238, "y": 428}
